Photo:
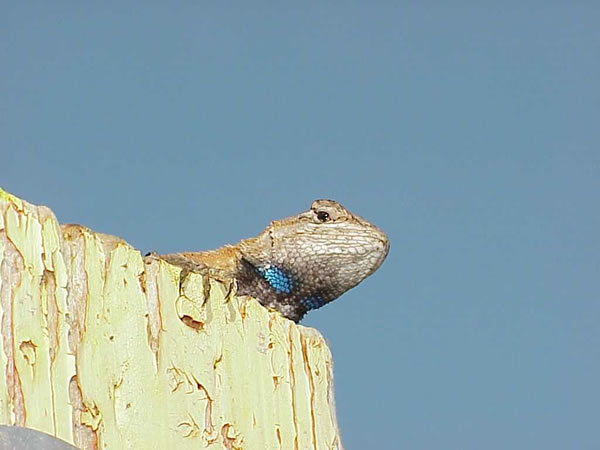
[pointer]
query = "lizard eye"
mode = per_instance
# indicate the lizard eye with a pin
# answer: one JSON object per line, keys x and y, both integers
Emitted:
{"x": 322, "y": 216}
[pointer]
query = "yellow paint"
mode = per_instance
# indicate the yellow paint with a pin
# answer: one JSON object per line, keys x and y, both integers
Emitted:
{"x": 4, "y": 398}
{"x": 30, "y": 343}
{"x": 63, "y": 365}
{"x": 156, "y": 369}
{"x": 9, "y": 198}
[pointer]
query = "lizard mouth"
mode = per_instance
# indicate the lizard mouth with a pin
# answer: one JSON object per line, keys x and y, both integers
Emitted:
{"x": 383, "y": 248}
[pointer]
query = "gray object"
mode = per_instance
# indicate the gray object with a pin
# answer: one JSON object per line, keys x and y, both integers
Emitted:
{"x": 19, "y": 438}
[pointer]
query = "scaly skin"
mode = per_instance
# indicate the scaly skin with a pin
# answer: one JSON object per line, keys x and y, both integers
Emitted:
{"x": 299, "y": 263}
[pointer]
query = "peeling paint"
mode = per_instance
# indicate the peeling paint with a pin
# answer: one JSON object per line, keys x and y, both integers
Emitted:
{"x": 114, "y": 353}
{"x": 10, "y": 272}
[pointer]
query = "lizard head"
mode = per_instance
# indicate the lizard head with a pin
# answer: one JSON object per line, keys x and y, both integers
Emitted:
{"x": 305, "y": 261}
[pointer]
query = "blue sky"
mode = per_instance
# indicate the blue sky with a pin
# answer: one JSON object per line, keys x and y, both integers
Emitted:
{"x": 468, "y": 133}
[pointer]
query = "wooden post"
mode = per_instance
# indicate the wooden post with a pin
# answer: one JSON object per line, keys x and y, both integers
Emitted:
{"x": 99, "y": 348}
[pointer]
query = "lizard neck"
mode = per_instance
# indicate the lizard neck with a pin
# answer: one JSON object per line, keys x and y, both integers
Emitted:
{"x": 272, "y": 270}
{"x": 224, "y": 259}
{"x": 276, "y": 288}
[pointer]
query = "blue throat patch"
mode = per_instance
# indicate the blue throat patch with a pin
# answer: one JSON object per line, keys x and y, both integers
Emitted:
{"x": 276, "y": 278}
{"x": 313, "y": 302}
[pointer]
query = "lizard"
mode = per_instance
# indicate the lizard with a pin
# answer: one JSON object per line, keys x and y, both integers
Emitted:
{"x": 299, "y": 263}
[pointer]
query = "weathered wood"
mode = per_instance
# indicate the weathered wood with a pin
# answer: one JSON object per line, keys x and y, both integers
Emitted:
{"x": 100, "y": 349}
